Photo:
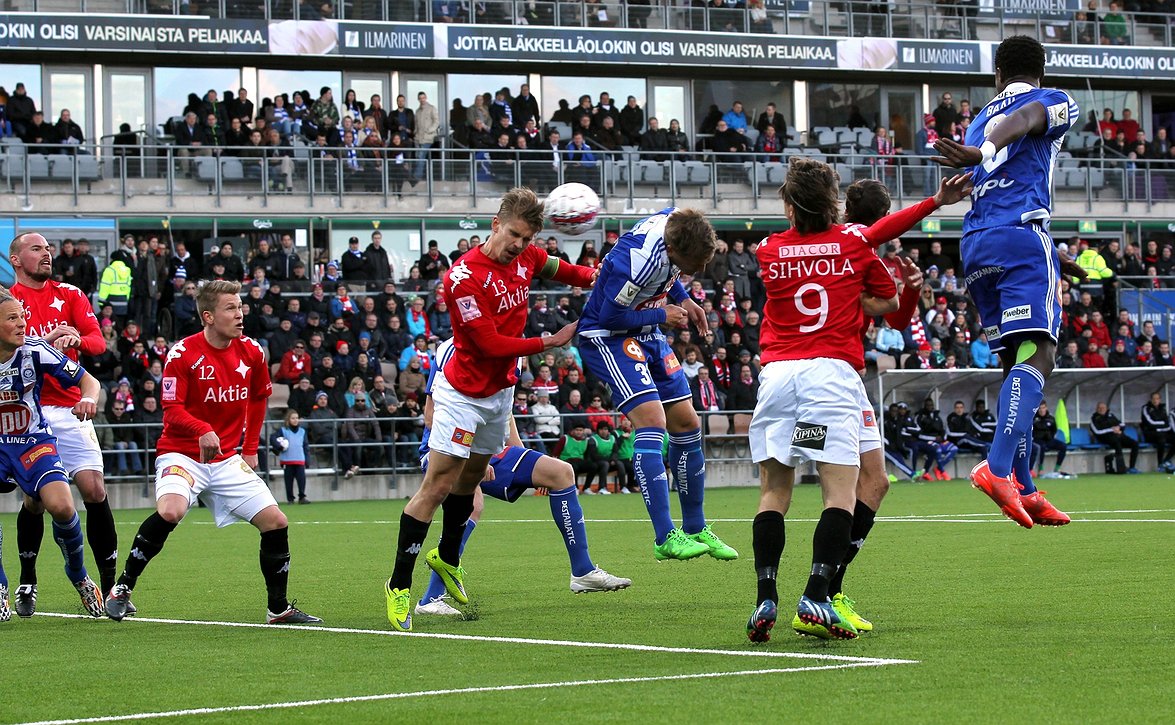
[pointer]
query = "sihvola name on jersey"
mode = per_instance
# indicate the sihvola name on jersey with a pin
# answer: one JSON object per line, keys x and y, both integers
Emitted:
{"x": 809, "y": 268}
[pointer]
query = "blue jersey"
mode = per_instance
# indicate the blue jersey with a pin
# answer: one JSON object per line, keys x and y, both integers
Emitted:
{"x": 1016, "y": 186}
{"x": 635, "y": 279}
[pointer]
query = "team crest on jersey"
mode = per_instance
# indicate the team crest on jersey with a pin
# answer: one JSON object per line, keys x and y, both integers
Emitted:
{"x": 27, "y": 375}
{"x": 632, "y": 348}
{"x": 169, "y": 390}
{"x": 179, "y": 471}
{"x": 671, "y": 364}
{"x": 627, "y": 294}
{"x": 468, "y": 308}
{"x": 462, "y": 437}
{"x": 34, "y": 454}
{"x": 867, "y": 417}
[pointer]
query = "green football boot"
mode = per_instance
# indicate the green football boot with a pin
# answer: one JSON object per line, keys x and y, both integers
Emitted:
{"x": 399, "y": 607}
{"x": 846, "y": 608}
{"x": 453, "y": 577}
{"x": 679, "y": 546}
{"x": 715, "y": 546}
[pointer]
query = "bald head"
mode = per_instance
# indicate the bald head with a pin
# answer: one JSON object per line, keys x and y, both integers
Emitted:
{"x": 31, "y": 259}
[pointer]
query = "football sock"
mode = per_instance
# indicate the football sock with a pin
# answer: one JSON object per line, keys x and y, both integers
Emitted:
{"x": 689, "y": 469}
{"x": 1022, "y": 466}
{"x": 863, "y": 517}
{"x": 275, "y": 567}
{"x": 149, "y": 540}
{"x": 650, "y": 476}
{"x": 30, "y": 529}
{"x": 768, "y": 536}
{"x": 3, "y": 576}
{"x": 829, "y": 544}
{"x": 457, "y": 509}
{"x": 68, "y": 536}
{"x": 1020, "y": 395}
{"x": 568, "y": 515}
{"x": 409, "y": 542}
{"x": 103, "y": 540}
{"x": 436, "y": 587}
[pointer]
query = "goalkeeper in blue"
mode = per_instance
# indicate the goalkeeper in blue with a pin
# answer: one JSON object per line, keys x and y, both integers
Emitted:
{"x": 512, "y": 472}
{"x": 638, "y": 291}
{"x": 28, "y": 448}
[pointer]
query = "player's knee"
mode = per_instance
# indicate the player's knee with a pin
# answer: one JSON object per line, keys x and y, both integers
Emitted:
{"x": 33, "y": 506}
{"x": 91, "y": 486}
{"x": 171, "y": 512}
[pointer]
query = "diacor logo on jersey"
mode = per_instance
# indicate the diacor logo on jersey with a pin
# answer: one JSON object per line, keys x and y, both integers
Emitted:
{"x": 809, "y": 435}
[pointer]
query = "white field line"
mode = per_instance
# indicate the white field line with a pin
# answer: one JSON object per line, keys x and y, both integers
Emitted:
{"x": 507, "y": 640}
{"x": 455, "y": 691}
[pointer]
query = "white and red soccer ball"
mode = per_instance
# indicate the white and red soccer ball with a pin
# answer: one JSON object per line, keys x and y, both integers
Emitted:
{"x": 572, "y": 208}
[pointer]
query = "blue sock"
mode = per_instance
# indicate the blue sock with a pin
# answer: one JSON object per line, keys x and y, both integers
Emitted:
{"x": 650, "y": 476}
{"x": 1020, "y": 395}
{"x": 69, "y": 537}
{"x": 3, "y": 576}
{"x": 436, "y": 588}
{"x": 568, "y": 515}
{"x": 689, "y": 470}
{"x": 1023, "y": 466}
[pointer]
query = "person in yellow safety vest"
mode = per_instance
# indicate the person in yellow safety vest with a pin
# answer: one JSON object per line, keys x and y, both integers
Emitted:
{"x": 1093, "y": 263}
{"x": 115, "y": 288}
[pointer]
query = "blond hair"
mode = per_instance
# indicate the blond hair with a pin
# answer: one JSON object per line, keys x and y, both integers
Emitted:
{"x": 521, "y": 203}
{"x": 210, "y": 293}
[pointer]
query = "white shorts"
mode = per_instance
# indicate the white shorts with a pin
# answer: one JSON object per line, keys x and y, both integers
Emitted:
{"x": 230, "y": 489}
{"x": 462, "y": 425}
{"x": 811, "y": 410}
{"x": 870, "y": 431}
{"x": 77, "y": 443}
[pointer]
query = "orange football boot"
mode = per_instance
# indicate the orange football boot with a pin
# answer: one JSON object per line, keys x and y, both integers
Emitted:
{"x": 1043, "y": 512}
{"x": 1003, "y": 491}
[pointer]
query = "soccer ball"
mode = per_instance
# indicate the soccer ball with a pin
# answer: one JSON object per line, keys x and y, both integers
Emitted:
{"x": 283, "y": 443}
{"x": 572, "y": 208}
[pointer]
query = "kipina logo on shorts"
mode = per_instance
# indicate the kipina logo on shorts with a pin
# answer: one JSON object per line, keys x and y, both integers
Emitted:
{"x": 809, "y": 435}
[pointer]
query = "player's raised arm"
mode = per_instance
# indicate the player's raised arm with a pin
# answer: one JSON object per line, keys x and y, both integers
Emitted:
{"x": 87, "y": 407}
{"x": 572, "y": 275}
{"x": 891, "y": 226}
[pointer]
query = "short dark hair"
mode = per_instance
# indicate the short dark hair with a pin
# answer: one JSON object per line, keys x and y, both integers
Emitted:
{"x": 866, "y": 201}
{"x": 689, "y": 233}
{"x": 1020, "y": 56}
{"x": 811, "y": 188}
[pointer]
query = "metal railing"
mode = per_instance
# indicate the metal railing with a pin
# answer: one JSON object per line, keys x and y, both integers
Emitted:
{"x": 840, "y": 18}
{"x": 392, "y": 455}
{"x": 316, "y": 174}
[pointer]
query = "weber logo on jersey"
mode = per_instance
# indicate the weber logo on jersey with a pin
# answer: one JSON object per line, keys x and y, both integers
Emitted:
{"x": 1022, "y": 312}
{"x": 809, "y": 435}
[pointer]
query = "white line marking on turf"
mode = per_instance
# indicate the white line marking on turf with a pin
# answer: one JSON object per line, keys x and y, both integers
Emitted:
{"x": 507, "y": 640}
{"x": 454, "y": 691}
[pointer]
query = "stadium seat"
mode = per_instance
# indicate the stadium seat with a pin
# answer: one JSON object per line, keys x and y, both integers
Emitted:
{"x": 38, "y": 166}
{"x": 846, "y": 174}
{"x": 768, "y": 173}
{"x": 205, "y": 168}
{"x": 1079, "y": 439}
{"x": 826, "y": 139}
{"x": 649, "y": 172}
{"x": 865, "y": 137}
{"x": 60, "y": 166}
{"x": 1133, "y": 432}
{"x": 752, "y": 136}
{"x": 231, "y": 169}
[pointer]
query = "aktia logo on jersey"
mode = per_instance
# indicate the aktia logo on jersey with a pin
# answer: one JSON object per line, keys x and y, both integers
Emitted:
{"x": 809, "y": 435}
{"x": 181, "y": 472}
{"x": 468, "y": 308}
{"x": 33, "y": 454}
{"x": 632, "y": 348}
{"x": 231, "y": 394}
{"x": 462, "y": 437}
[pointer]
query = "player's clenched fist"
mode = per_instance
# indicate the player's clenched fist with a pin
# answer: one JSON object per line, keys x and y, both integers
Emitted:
{"x": 675, "y": 316}
{"x": 209, "y": 446}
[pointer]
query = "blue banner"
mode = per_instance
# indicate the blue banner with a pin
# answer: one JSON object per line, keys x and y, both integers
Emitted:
{"x": 1158, "y": 306}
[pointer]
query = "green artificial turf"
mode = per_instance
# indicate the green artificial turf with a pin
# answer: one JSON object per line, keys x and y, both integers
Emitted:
{"x": 1006, "y": 625}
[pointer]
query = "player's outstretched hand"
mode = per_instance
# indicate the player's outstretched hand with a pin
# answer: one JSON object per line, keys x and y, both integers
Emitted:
{"x": 209, "y": 446}
{"x": 595, "y": 276}
{"x": 1071, "y": 268}
{"x": 675, "y": 316}
{"x": 85, "y": 409}
{"x": 560, "y": 338}
{"x": 955, "y": 154}
{"x": 697, "y": 316}
{"x": 64, "y": 337}
{"x": 954, "y": 189}
{"x": 911, "y": 273}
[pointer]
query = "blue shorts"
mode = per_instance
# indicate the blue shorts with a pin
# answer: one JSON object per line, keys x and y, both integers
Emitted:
{"x": 512, "y": 473}
{"x": 31, "y": 461}
{"x": 637, "y": 369}
{"x": 1012, "y": 273}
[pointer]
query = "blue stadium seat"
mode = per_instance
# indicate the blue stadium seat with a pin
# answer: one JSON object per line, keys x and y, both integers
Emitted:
{"x": 1079, "y": 438}
{"x": 1134, "y": 433}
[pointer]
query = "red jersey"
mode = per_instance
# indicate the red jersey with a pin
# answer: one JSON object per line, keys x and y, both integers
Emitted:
{"x": 53, "y": 305}
{"x": 488, "y": 303}
{"x": 814, "y": 284}
{"x": 207, "y": 389}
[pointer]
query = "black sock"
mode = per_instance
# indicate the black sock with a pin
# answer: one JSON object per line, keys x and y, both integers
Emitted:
{"x": 409, "y": 542}
{"x": 457, "y": 509}
{"x": 768, "y": 537}
{"x": 30, "y": 529}
{"x": 275, "y": 567}
{"x": 862, "y": 522}
{"x": 148, "y": 542}
{"x": 829, "y": 544}
{"x": 103, "y": 540}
